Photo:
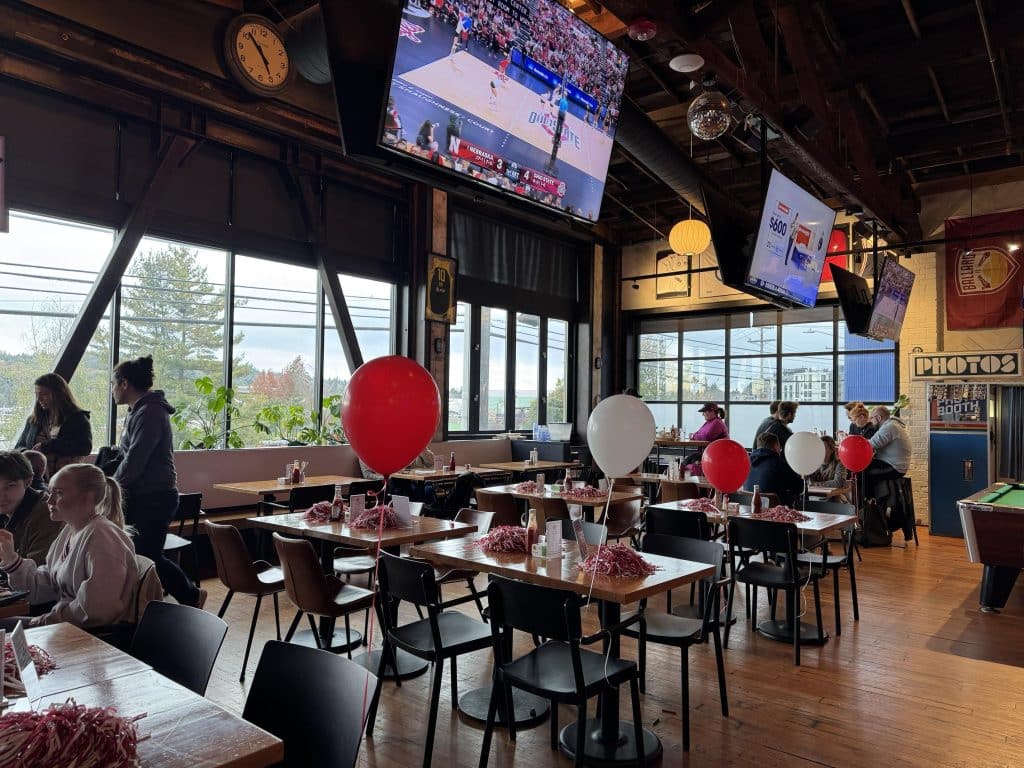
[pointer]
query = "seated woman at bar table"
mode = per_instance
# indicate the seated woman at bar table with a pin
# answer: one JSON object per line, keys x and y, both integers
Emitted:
{"x": 23, "y": 511}
{"x": 831, "y": 474}
{"x": 57, "y": 427}
{"x": 90, "y": 569}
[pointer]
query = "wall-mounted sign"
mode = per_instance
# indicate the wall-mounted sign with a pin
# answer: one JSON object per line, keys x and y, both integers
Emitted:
{"x": 958, "y": 406}
{"x": 995, "y": 365}
{"x": 441, "y": 289}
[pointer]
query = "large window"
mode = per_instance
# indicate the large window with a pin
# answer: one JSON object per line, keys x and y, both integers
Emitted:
{"x": 507, "y": 371}
{"x": 744, "y": 360}
{"x": 47, "y": 267}
{"x": 172, "y": 304}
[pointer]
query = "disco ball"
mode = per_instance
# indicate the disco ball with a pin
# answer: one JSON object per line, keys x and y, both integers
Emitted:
{"x": 709, "y": 115}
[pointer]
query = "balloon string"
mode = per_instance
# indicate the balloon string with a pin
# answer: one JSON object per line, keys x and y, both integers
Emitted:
{"x": 604, "y": 537}
{"x": 371, "y": 627}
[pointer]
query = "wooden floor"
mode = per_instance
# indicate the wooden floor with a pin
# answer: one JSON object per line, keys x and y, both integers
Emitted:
{"x": 923, "y": 679}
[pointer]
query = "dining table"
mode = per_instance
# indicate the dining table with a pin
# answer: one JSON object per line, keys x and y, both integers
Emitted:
{"x": 816, "y": 528}
{"x": 548, "y": 493}
{"x": 609, "y": 740}
{"x": 435, "y": 475}
{"x": 421, "y": 529}
{"x": 269, "y": 489}
{"x": 180, "y": 729}
{"x": 529, "y": 467}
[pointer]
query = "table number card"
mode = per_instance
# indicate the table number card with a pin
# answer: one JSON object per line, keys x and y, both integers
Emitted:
{"x": 26, "y": 667}
{"x": 554, "y": 538}
{"x": 402, "y": 509}
{"x": 356, "y": 505}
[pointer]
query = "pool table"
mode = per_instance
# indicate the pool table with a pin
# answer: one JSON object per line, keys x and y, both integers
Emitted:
{"x": 993, "y": 521}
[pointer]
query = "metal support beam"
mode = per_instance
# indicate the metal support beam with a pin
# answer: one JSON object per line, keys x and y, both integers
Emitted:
{"x": 302, "y": 187}
{"x": 174, "y": 151}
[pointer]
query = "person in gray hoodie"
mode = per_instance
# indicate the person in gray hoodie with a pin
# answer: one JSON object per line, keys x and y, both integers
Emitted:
{"x": 891, "y": 443}
{"x": 147, "y": 475}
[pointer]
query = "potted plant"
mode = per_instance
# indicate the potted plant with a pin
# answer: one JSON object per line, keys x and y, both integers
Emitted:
{"x": 203, "y": 422}
{"x": 324, "y": 427}
{"x": 284, "y": 423}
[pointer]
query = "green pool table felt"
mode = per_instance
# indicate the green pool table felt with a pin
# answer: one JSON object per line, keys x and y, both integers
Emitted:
{"x": 1010, "y": 495}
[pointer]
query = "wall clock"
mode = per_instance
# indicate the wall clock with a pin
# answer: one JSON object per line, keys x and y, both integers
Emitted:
{"x": 672, "y": 286}
{"x": 256, "y": 55}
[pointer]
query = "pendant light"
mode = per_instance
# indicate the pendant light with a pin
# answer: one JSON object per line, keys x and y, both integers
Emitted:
{"x": 689, "y": 237}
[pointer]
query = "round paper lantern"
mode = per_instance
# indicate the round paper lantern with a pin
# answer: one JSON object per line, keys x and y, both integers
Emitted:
{"x": 709, "y": 115}
{"x": 690, "y": 236}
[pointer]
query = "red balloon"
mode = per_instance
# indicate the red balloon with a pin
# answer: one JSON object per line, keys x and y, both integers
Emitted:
{"x": 855, "y": 453}
{"x": 725, "y": 464}
{"x": 390, "y": 412}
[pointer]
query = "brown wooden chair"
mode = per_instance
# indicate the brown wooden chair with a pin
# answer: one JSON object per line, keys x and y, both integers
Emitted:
{"x": 239, "y": 573}
{"x": 677, "y": 490}
{"x": 624, "y": 519}
{"x": 503, "y": 505}
{"x": 482, "y": 521}
{"x": 312, "y": 591}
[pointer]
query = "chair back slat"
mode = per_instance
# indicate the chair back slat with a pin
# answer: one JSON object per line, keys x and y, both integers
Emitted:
{"x": 234, "y": 565}
{"x": 481, "y": 519}
{"x": 594, "y": 533}
{"x": 411, "y": 580}
{"x": 305, "y": 496}
{"x": 677, "y": 522}
{"x": 542, "y": 611}
{"x": 681, "y": 548}
{"x": 304, "y": 581}
{"x": 190, "y": 507}
{"x": 765, "y": 536}
{"x": 503, "y": 505}
{"x": 179, "y": 642}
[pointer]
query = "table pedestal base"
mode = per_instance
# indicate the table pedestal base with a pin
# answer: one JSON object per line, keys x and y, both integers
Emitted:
{"x": 408, "y": 665}
{"x": 530, "y": 710}
{"x": 782, "y": 631}
{"x": 598, "y": 752}
{"x": 340, "y": 642}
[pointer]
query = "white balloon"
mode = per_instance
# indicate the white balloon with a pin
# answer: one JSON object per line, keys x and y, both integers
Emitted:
{"x": 620, "y": 434}
{"x": 805, "y": 453}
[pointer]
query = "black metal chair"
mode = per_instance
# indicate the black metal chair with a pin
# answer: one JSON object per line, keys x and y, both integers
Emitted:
{"x": 779, "y": 540}
{"x": 689, "y": 524}
{"x": 482, "y": 521}
{"x": 834, "y": 508}
{"x": 179, "y": 642}
{"x": 681, "y": 632}
{"x": 834, "y": 563}
{"x": 442, "y": 635}
{"x": 594, "y": 533}
{"x": 302, "y": 497}
{"x": 558, "y": 669}
{"x": 190, "y": 509}
{"x": 313, "y": 701}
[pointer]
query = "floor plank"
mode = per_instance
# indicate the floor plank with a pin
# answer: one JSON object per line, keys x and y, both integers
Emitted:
{"x": 923, "y": 678}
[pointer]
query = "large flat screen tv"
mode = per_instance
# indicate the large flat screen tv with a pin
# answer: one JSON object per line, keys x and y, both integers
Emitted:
{"x": 892, "y": 295}
{"x": 520, "y": 96}
{"x": 792, "y": 238}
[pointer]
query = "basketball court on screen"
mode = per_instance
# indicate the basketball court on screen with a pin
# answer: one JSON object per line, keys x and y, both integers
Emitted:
{"x": 465, "y": 82}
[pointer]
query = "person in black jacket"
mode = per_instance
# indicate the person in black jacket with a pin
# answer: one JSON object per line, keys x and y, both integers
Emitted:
{"x": 58, "y": 427}
{"x": 769, "y": 471}
{"x": 780, "y": 427}
{"x": 773, "y": 412}
{"x": 147, "y": 474}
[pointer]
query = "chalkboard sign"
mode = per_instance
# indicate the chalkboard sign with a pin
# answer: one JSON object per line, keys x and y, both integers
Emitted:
{"x": 960, "y": 407}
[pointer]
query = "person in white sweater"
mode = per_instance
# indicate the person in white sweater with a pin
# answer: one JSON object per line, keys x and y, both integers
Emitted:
{"x": 90, "y": 570}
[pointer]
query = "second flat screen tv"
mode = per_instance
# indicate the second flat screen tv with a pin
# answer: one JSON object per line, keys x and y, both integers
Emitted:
{"x": 892, "y": 295}
{"x": 791, "y": 242}
{"x": 519, "y": 95}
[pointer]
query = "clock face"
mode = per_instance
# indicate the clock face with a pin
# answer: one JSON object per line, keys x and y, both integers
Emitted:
{"x": 257, "y": 55}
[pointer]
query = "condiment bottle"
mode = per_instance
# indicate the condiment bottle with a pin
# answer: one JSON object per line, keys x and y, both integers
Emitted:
{"x": 451, "y": 462}
{"x": 296, "y": 472}
{"x": 338, "y": 505}
{"x": 755, "y": 502}
{"x": 531, "y": 530}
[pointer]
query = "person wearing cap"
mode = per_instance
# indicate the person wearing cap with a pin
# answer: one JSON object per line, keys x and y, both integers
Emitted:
{"x": 714, "y": 427}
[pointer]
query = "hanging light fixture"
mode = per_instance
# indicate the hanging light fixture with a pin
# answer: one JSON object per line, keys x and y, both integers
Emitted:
{"x": 689, "y": 237}
{"x": 710, "y": 113}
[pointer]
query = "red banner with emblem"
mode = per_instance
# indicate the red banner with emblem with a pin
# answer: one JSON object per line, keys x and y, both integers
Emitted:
{"x": 984, "y": 274}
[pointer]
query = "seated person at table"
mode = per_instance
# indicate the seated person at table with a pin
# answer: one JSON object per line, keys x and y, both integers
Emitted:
{"x": 23, "y": 510}
{"x": 90, "y": 569}
{"x": 38, "y": 462}
{"x": 714, "y": 425}
{"x": 860, "y": 422}
{"x": 892, "y": 446}
{"x": 831, "y": 474}
{"x": 769, "y": 471}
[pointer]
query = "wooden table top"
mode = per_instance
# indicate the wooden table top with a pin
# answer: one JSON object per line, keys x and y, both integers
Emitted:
{"x": 595, "y": 502}
{"x": 264, "y": 487}
{"x": 826, "y": 491}
{"x": 820, "y": 523}
{"x": 422, "y": 529}
{"x": 668, "y": 442}
{"x": 423, "y": 475}
{"x": 562, "y": 573}
{"x": 180, "y": 729}
{"x": 525, "y": 466}
{"x": 654, "y": 477}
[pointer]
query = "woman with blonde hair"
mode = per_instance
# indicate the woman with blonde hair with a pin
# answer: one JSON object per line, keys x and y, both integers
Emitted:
{"x": 831, "y": 474}
{"x": 861, "y": 423}
{"x": 58, "y": 426}
{"x": 90, "y": 569}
